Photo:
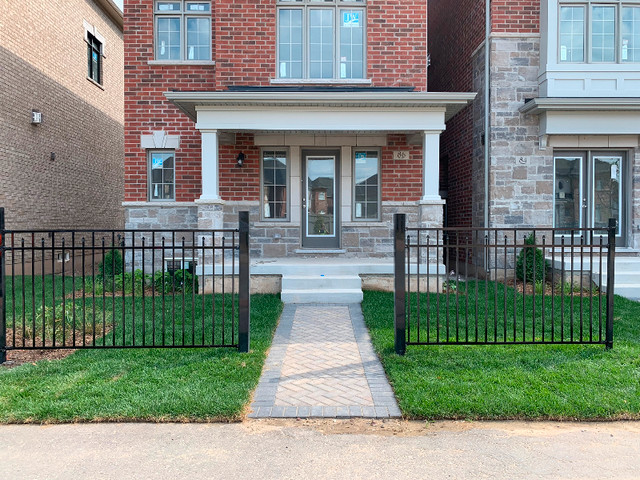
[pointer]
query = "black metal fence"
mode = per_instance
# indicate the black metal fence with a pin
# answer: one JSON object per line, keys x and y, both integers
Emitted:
{"x": 74, "y": 289}
{"x": 473, "y": 286}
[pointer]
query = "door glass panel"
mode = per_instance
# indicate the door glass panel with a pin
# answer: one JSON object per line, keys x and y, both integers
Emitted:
{"x": 320, "y": 196}
{"x": 607, "y": 191}
{"x": 567, "y": 192}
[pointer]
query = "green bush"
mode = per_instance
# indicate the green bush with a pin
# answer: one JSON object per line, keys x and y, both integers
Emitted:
{"x": 175, "y": 281}
{"x": 530, "y": 264}
{"x": 111, "y": 265}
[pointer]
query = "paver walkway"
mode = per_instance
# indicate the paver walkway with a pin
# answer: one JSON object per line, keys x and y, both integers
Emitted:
{"x": 322, "y": 364}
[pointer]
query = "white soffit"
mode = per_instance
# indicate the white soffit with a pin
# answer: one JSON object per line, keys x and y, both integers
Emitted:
{"x": 365, "y": 111}
{"x": 586, "y": 116}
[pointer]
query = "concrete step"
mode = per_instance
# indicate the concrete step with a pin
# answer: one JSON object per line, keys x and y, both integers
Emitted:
{"x": 321, "y": 288}
{"x": 630, "y": 291}
{"x": 325, "y": 296}
{"x": 315, "y": 282}
{"x": 621, "y": 278}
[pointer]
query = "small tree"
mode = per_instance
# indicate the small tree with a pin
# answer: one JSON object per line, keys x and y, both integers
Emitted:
{"x": 531, "y": 264}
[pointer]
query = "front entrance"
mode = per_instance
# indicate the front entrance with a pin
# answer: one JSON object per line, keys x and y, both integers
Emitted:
{"x": 589, "y": 189}
{"x": 320, "y": 199}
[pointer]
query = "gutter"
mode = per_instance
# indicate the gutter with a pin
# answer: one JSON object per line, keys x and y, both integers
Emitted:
{"x": 112, "y": 11}
{"x": 487, "y": 109}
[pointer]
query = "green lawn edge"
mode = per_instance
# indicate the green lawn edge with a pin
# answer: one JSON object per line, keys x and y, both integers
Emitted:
{"x": 528, "y": 382}
{"x": 152, "y": 385}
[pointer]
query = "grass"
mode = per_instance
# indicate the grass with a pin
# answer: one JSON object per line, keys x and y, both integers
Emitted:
{"x": 185, "y": 384}
{"x": 512, "y": 382}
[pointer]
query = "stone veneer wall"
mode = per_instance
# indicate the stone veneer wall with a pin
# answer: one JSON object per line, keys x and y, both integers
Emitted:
{"x": 147, "y": 216}
{"x": 521, "y": 175}
{"x": 282, "y": 239}
{"x": 359, "y": 240}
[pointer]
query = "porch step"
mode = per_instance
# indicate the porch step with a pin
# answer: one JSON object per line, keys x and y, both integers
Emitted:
{"x": 627, "y": 277}
{"x": 319, "y": 288}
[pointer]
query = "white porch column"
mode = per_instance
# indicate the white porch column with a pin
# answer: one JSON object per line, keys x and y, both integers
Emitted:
{"x": 431, "y": 167}
{"x": 210, "y": 173}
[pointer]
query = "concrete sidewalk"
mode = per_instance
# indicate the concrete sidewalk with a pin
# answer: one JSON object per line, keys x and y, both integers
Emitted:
{"x": 270, "y": 449}
{"x": 322, "y": 364}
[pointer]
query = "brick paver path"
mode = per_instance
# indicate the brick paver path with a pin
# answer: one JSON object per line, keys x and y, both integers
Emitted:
{"x": 322, "y": 364}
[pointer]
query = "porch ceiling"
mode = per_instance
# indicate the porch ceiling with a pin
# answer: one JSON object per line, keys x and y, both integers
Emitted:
{"x": 387, "y": 104}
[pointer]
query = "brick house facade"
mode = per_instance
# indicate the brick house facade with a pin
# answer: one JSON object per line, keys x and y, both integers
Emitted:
{"x": 563, "y": 131}
{"x": 314, "y": 116}
{"x": 63, "y": 168}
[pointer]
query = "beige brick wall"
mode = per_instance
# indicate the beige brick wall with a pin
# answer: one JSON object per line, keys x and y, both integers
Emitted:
{"x": 43, "y": 66}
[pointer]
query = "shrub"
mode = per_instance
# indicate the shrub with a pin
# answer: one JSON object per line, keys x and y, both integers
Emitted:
{"x": 111, "y": 265}
{"x": 177, "y": 281}
{"x": 530, "y": 264}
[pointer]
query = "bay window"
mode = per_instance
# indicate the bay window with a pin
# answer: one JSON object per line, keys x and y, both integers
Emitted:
{"x": 599, "y": 32}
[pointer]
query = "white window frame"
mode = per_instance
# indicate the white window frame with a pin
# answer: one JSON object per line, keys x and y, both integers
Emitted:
{"x": 588, "y": 39}
{"x": 183, "y": 15}
{"x": 150, "y": 182}
{"x": 337, "y": 6}
{"x": 287, "y": 217}
{"x": 355, "y": 150}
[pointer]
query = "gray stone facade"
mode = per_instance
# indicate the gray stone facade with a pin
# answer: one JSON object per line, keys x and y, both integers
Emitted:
{"x": 521, "y": 174}
{"x": 281, "y": 239}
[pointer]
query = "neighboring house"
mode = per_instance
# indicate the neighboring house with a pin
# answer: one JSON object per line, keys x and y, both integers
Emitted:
{"x": 562, "y": 133}
{"x": 61, "y": 114}
{"x": 312, "y": 115}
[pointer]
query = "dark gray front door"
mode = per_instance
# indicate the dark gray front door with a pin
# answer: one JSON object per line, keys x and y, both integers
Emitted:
{"x": 320, "y": 199}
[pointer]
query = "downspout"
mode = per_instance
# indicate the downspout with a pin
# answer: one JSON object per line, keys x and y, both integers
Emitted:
{"x": 487, "y": 111}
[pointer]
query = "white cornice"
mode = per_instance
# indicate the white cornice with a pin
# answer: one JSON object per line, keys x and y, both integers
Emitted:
{"x": 539, "y": 105}
{"x": 451, "y": 102}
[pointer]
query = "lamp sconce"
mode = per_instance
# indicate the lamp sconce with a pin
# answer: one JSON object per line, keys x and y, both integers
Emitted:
{"x": 240, "y": 159}
{"x": 53, "y": 157}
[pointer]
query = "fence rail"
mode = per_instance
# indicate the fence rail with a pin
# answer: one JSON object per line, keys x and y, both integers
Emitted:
{"x": 74, "y": 289}
{"x": 476, "y": 286}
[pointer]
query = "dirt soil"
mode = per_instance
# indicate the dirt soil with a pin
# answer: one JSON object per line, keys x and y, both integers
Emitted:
{"x": 20, "y": 357}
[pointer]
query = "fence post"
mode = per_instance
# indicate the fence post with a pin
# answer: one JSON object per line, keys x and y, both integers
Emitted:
{"x": 400, "y": 322}
{"x": 611, "y": 272}
{"x": 3, "y": 307}
{"x": 244, "y": 298}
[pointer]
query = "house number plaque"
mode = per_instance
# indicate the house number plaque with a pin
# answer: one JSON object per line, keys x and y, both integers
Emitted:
{"x": 401, "y": 155}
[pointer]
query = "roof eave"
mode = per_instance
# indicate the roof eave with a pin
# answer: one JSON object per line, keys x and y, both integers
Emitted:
{"x": 452, "y": 102}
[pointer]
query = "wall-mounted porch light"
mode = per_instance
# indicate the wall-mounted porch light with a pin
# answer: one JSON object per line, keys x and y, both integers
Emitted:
{"x": 240, "y": 159}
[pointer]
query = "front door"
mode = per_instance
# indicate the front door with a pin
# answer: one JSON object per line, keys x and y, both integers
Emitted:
{"x": 320, "y": 199}
{"x": 590, "y": 189}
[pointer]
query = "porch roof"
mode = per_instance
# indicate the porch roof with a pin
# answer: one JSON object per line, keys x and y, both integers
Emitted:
{"x": 366, "y": 101}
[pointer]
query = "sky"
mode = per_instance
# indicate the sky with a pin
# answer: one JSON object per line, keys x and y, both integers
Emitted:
{"x": 119, "y": 3}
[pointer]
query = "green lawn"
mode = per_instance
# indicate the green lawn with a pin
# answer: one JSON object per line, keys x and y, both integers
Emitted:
{"x": 148, "y": 384}
{"x": 512, "y": 382}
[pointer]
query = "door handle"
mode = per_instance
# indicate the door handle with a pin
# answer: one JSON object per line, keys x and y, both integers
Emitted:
{"x": 304, "y": 202}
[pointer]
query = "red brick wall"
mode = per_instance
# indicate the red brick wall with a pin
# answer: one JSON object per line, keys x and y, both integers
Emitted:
{"x": 244, "y": 48}
{"x": 456, "y": 29}
{"x": 515, "y": 16}
{"x": 397, "y": 43}
{"x": 147, "y": 110}
{"x": 401, "y": 179}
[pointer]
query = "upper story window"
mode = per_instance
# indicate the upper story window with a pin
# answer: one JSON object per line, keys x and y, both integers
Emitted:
{"x": 94, "y": 59}
{"x": 599, "y": 32}
{"x": 321, "y": 39}
{"x": 182, "y": 30}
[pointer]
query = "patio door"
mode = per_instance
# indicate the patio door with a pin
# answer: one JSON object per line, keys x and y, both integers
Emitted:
{"x": 590, "y": 188}
{"x": 320, "y": 199}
